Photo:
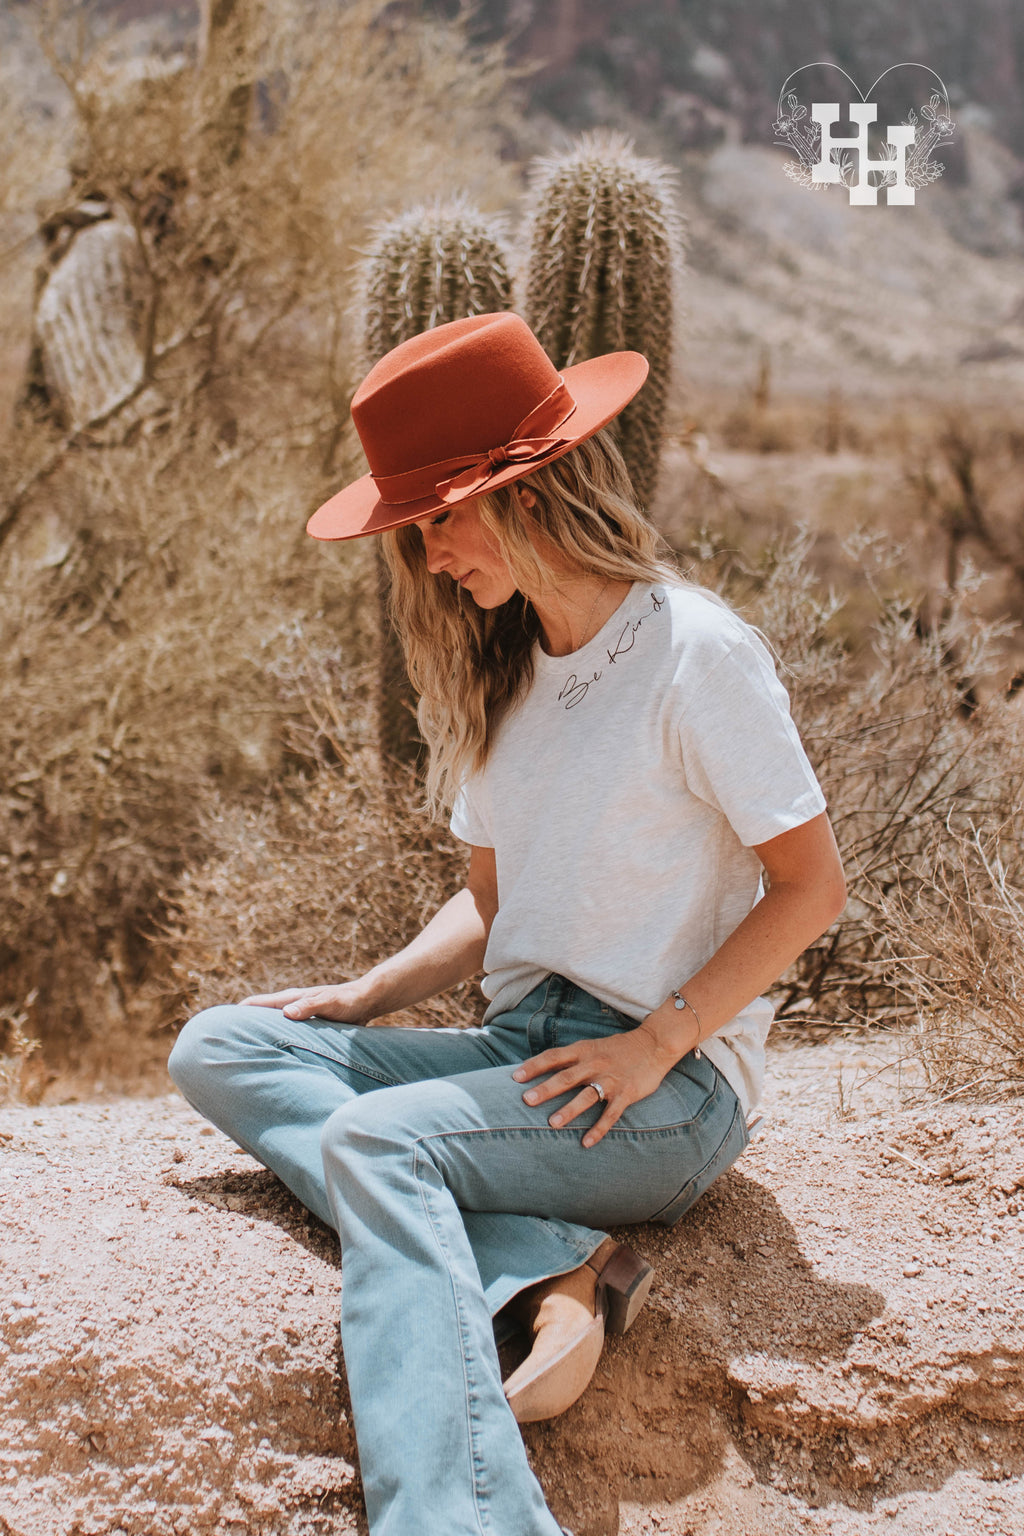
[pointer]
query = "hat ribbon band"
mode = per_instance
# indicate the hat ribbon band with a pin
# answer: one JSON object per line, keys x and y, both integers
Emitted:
{"x": 534, "y": 438}
{"x": 474, "y": 481}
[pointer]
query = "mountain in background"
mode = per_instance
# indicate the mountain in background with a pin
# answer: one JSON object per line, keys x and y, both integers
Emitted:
{"x": 700, "y": 69}
{"x": 703, "y": 73}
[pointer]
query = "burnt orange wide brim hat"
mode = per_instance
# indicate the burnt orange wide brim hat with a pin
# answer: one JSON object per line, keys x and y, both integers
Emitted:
{"x": 462, "y": 410}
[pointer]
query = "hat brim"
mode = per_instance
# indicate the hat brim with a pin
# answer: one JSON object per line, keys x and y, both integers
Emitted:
{"x": 601, "y": 387}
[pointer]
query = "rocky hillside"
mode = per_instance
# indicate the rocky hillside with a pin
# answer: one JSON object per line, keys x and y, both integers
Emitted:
{"x": 698, "y": 70}
{"x": 702, "y": 73}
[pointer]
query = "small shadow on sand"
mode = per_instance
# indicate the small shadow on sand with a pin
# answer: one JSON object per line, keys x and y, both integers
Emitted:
{"x": 260, "y": 1196}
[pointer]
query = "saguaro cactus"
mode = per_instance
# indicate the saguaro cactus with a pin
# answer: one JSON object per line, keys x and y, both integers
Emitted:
{"x": 423, "y": 268}
{"x": 605, "y": 241}
{"x": 429, "y": 265}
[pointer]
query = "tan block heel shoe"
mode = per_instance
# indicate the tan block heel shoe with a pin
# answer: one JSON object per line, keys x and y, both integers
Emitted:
{"x": 569, "y": 1329}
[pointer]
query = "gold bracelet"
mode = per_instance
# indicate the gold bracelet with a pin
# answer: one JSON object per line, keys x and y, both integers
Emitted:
{"x": 681, "y": 1002}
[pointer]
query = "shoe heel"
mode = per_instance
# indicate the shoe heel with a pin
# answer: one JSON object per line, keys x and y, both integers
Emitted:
{"x": 622, "y": 1288}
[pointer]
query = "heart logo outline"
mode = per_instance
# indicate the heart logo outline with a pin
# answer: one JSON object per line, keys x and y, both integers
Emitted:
{"x": 918, "y": 167}
{"x": 828, "y": 64}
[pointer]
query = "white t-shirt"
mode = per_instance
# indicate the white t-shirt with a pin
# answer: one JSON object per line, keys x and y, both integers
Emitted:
{"x": 622, "y": 795}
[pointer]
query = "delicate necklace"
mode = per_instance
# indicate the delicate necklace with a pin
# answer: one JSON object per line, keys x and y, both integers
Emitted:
{"x": 590, "y": 615}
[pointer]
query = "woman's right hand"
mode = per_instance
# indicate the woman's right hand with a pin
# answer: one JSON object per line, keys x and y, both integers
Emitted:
{"x": 348, "y": 1002}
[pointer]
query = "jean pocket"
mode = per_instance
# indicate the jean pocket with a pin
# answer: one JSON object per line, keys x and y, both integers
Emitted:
{"x": 727, "y": 1151}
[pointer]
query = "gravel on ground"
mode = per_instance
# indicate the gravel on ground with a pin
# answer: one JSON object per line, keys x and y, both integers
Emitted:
{"x": 834, "y": 1342}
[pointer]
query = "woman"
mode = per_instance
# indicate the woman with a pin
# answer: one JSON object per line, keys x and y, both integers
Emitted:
{"x": 620, "y": 758}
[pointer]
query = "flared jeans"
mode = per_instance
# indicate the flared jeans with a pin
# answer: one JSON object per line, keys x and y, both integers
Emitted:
{"x": 449, "y": 1195}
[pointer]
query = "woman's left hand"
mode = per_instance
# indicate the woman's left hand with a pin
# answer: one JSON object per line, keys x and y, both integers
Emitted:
{"x": 628, "y": 1067}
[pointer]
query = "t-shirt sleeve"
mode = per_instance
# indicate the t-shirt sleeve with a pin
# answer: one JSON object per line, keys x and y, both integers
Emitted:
{"x": 741, "y": 750}
{"x": 467, "y": 819}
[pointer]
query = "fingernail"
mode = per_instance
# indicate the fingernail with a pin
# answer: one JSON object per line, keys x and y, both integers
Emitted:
{"x": 588, "y": 1141}
{"x": 518, "y": 1075}
{"x": 530, "y": 1098}
{"x": 555, "y": 1120}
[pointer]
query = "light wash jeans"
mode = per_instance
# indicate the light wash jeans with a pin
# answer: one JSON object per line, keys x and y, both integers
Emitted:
{"x": 449, "y": 1195}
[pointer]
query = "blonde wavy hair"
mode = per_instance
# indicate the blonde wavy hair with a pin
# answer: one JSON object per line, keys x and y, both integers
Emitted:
{"x": 469, "y": 664}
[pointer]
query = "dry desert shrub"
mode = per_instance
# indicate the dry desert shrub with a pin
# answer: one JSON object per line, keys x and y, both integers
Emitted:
{"x": 926, "y": 793}
{"x": 955, "y": 938}
{"x": 249, "y": 245}
{"x": 18, "y": 1049}
{"x": 336, "y": 868}
{"x": 314, "y": 886}
{"x": 154, "y": 567}
{"x": 966, "y": 474}
{"x": 139, "y": 679}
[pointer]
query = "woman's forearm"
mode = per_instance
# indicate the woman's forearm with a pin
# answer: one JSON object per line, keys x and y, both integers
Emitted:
{"x": 448, "y": 950}
{"x": 806, "y": 894}
{"x": 752, "y": 958}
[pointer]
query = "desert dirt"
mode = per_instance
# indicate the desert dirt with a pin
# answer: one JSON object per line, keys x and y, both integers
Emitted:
{"x": 834, "y": 1341}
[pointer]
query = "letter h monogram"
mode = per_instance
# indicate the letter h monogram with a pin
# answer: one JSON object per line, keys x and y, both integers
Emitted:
{"x": 862, "y": 114}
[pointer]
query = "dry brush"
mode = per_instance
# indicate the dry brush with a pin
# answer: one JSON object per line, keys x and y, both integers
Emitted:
{"x": 154, "y": 566}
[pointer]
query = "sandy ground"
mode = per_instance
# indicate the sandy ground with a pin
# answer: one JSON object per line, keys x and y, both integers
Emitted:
{"x": 833, "y": 1344}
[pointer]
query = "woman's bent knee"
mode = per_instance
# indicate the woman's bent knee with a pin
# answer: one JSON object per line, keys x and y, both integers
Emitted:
{"x": 217, "y": 1037}
{"x": 337, "y": 1130}
{"x": 363, "y": 1128}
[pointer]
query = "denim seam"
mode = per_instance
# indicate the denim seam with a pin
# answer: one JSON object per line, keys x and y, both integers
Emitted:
{"x": 292, "y": 1046}
{"x": 568, "y": 1130}
{"x": 582, "y": 1249}
{"x": 561, "y": 1131}
{"x": 472, "y": 1416}
{"x": 694, "y": 1177}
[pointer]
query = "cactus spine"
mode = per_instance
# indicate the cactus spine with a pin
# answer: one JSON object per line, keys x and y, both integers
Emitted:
{"x": 425, "y": 267}
{"x": 430, "y": 265}
{"x": 604, "y": 244}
